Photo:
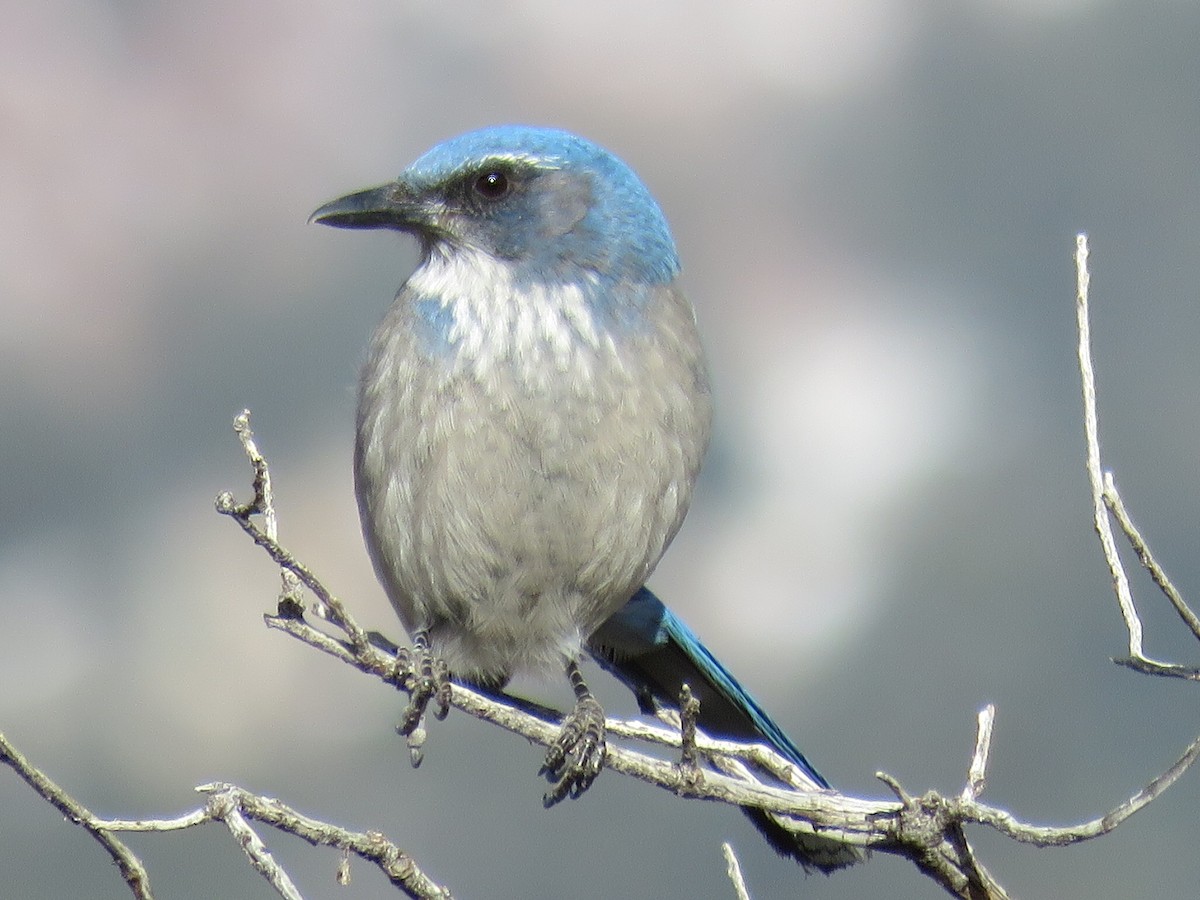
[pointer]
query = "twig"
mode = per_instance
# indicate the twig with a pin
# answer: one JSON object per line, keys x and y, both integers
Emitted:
{"x": 232, "y": 806}
{"x": 130, "y": 866}
{"x": 1112, "y": 500}
{"x": 1044, "y": 836}
{"x": 1091, "y": 429}
{"x": 267, "y": 537}
{"x": 399, "y": 868}
{"x": 689, "y": 710}
{"x": 264, "y": 501}
{"x": 977, "y": 773}
{"x": 1105, "y": 498}
{"x": 733, "y": 869}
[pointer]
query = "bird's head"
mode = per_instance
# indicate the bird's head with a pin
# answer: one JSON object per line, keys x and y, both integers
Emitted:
{"x": 552, "y": 205}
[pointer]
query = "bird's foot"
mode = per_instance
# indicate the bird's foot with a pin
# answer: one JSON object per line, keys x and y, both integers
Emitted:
{"x": 426, "y": 678}
{"x": 577, "y": 754}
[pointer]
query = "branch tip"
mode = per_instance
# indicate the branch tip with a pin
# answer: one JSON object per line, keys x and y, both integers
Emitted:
{"x": 977, "y": 772}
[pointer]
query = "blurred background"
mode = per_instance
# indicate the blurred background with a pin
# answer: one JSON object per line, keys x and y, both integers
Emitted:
{"x": 876, "y": 204}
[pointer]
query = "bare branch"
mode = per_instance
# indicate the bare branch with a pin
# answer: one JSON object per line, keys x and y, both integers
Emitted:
{"x": 733, "y": 869}
{"x": 267, "y": 537}
{"x": 927, "y": 829}
{"x": 689, "y": 710}
{"x": 232, "y": 806}
{"x": 130, "y": 866}
{"x": 1044, "y": 836}
{"x": 1162, "y": 670}
{"x": 224, "y": 808}
{"x": 1105, "y": 498}
{"x": 1091, "y": 430}
{"x": 230, "y": 802}
{"x": 1112, "y": 500}
{"x": 977, "y": 773}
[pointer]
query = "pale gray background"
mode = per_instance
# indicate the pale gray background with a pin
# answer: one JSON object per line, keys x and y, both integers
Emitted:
{"x": 876, "y": 204}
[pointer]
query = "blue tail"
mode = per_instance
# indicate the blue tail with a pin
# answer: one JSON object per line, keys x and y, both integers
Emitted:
{"x": 654, "y": 654}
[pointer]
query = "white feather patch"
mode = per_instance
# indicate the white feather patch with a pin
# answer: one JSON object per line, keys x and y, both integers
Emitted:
{"x": 534, "y": 330}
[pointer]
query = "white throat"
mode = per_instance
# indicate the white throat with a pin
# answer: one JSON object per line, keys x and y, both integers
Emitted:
{"x": 531, "y": 329}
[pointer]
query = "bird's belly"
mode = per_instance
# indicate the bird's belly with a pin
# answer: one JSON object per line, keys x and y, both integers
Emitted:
{"x": 510, "y": 531}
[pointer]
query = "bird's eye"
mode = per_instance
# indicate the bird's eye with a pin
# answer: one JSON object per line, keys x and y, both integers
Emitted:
{"x": 492, "y": 185}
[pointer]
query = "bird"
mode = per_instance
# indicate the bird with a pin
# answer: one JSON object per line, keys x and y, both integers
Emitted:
{"x": 533, "y": 413}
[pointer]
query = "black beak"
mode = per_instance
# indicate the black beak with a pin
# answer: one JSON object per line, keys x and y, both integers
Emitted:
{"x": 387, "y": 206}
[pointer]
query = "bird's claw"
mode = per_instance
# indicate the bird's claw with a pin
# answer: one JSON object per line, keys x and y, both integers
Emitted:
{"x": 426, "y": 678}
{"x": 577, "y": 754}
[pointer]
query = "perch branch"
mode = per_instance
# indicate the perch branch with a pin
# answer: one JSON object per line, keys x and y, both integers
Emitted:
{"x": 927, "y": 829}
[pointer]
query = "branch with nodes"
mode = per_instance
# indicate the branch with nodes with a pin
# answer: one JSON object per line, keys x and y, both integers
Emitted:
{"x": 929, "y": 830}
{"x": 235, "y": 808}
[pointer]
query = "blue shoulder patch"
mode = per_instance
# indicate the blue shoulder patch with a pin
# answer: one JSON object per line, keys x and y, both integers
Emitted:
{"x": 436, "y": 323}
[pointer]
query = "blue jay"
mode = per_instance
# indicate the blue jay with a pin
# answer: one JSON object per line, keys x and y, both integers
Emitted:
{"x": 532, "y": 416}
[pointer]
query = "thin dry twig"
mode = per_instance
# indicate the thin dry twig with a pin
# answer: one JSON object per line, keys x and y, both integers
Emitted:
{"x": 1091, "y": 429}
{"x": 689, "y": 709}
{"x": 1105, "y": 498}
{"x": 1044, "y": 836}
{"x": 1112, "y": 499}
{"x": 733, "y": 869}
{"x": 977, "y": 773}
{"x": 398, "y": 867}
{"x": 235, "y": 808}
{"x": 266, "y": 536}
{"x": 130, "y": 866}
